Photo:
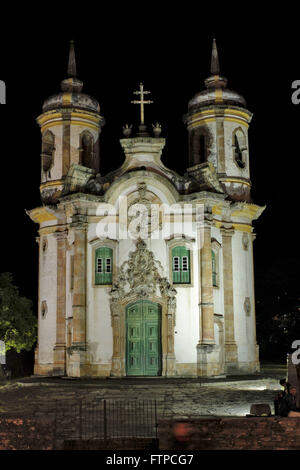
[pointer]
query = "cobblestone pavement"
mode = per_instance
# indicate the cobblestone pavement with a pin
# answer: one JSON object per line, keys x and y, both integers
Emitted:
{"x": 176, "y": 398}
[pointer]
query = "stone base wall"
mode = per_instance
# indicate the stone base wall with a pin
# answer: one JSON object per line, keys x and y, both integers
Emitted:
{"x": 208, "y": 358}
{"x": 181, "y": 370}
{"x": 248, "y": 367}
{"x": 233, "y": 433}
{"x": 228, "y": 433}
{"x": 209, "y": 367}
{"x": 43, "y": 369}
{"x": 26, "y": 433}
{"x": 186, "y": 370}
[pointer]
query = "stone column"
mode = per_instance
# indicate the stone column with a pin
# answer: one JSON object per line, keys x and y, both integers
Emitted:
{"x": 230, "y": 347}
{"x": 207, "y": 299}
{"x": 207, "y": 357}
{"x": 59, "y": 352}
{"x": 116, "y": 361}
{"x": 79, "y": 346}
{"x": 170, "y": 356}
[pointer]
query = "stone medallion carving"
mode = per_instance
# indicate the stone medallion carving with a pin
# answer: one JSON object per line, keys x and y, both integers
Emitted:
{"x": 143, "y": 207}
{"x": 245, "y": 241}
{"x": 141, "y": 276}
{"x": 247, "y": 306}
{"x": 45, "y": 244}
{"x": 44, "y": 309}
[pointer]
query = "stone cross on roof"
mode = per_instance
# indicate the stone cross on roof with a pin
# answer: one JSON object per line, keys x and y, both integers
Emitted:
{"x": 141, "y": 102}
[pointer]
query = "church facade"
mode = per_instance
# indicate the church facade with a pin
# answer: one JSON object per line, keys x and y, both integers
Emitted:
{"x": 145, "y": 272}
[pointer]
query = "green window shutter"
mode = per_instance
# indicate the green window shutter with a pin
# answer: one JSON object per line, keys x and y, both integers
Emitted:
{"x": 176, "y": 267}
{"x": 185, "y": 267}
{"x": 181, "y": 265}
{"x": 103, "y": 265}
{"x": 214, "y": 268}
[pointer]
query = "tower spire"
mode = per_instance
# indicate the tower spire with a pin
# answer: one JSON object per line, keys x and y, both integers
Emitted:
{"x": 72, "y": 61}
{"x": 215, "y": 66}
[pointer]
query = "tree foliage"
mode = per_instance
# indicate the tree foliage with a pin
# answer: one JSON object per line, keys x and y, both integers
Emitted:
{"x": 17, "y": 322}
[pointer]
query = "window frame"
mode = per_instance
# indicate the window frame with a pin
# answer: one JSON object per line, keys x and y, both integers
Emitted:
{"x": 181, "y": 243}
{"x": 103, "y": 277}
{"x": 238, "y": 135}
{"x": 96, "y": 243}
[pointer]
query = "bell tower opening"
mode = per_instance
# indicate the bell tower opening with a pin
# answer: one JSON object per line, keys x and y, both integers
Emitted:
{"x": 198, "y": 146}
{"x": 47, "y": 151}
{"x": 86, "y": 150}
{"x": 238, "y": 153}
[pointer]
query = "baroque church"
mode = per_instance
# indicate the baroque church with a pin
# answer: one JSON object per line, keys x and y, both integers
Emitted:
{"x": 143, "y": 271}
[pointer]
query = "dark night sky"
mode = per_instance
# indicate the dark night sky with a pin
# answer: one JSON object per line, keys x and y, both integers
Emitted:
{"x": 170, "y": 53}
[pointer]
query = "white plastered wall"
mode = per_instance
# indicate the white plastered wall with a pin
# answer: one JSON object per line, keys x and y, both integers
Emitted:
{"x": 48, "y": 293}
{"x": 242, "y": 288}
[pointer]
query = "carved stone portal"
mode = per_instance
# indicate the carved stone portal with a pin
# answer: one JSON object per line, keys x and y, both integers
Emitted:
{"x": 141, "y": 277}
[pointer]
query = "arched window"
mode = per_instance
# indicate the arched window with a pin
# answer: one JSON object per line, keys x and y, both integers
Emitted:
{"x": 86, "y": 150}
{"x": 199, "y": 146}
{"x": 103, "y": 265}
{"x": 47, "y": 150}
{"x": 181, "y": 268}
{"x": 239, "y": 147}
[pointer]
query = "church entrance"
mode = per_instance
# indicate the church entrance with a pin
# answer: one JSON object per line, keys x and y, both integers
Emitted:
{"x": 143, "y": 338}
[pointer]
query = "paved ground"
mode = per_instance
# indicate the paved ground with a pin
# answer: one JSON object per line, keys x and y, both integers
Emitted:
{"x": 176, "y": 398}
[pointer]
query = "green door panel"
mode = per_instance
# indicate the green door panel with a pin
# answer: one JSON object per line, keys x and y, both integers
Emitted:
{"x": 143, "y": 338}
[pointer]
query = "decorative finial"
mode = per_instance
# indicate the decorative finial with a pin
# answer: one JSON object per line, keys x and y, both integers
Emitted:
{"x": 127, "y": 130}
{"x": 142, "y": 92}
{"x": 215, "y": 66}
{"x": 156, "y": 129}
{"x": 72, "y": 61}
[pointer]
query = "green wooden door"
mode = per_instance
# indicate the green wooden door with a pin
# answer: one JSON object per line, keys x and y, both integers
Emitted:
{"x": 143, "y": 338}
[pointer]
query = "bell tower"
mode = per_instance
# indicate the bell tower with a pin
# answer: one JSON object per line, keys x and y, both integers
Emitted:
{"x": 70, "y": 126}
{"x": 217, "y": 122}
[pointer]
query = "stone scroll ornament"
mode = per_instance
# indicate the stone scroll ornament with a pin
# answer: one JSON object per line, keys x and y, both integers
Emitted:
{"x": 140, "y": 276}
